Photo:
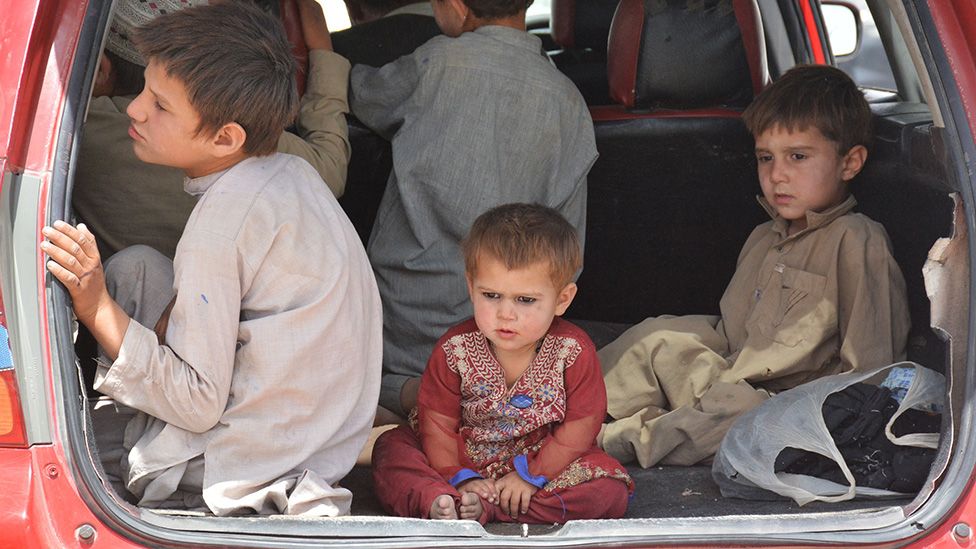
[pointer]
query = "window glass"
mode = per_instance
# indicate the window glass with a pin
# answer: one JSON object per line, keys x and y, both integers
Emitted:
{"x": 338, "y": 19}
{"x": 867, "y": 64}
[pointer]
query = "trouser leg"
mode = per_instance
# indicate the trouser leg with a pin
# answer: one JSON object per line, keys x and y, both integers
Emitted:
{"x": 404, "y": 481}
{"x": 596, "y": 499}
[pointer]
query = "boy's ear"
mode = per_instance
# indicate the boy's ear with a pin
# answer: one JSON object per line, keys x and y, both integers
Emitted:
{"x": 853, "y": 162}
{"x": 228, "y": 140}
{"x": 565, "y": 297}
{"x": 460, "y": 9}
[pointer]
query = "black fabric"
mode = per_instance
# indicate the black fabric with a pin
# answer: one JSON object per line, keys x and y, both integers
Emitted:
{"x": 586, "y": 62}
{"x": 856, "y": 418}
{"x": 691, "y": 56}
{"x": 378, "y": 42}
{"x": 670, "y": 203}
{"x": 369, "y": 170}
{"x": 592, "y": 23}
{"x": 588, "y": 70}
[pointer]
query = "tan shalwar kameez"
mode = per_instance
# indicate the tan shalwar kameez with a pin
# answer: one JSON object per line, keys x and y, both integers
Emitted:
{"x": 125, "y": 201}
{"x": 264, "y": 392}
{"x": 827, "y": 299}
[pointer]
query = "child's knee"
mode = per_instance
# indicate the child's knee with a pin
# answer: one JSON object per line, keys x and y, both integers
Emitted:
{"x": 135, "y": 262}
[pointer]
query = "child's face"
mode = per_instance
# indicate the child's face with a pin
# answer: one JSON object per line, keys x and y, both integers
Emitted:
{"x": 801, "y": 171}
{"x": 164, "y": 123}
{"x": 514, "y": 308}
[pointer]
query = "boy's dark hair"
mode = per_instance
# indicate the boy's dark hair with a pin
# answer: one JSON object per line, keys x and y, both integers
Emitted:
{"x": 520, "y": 235}
{"x": 235, "y": 63}
{"x": 495, "y": 9}
{"x": 813, "y": 95}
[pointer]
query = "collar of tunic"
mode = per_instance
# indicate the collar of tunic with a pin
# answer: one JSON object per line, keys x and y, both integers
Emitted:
{"x": 196, "y": 186}
{"x": 815, "y": 220}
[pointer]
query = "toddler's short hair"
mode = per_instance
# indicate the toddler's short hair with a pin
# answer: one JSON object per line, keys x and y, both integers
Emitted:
{"x": 235, "y": 63}
{"x": 813, "y": 95}
{"x": 520, "y": 235}
{"x": 494, "y": 9}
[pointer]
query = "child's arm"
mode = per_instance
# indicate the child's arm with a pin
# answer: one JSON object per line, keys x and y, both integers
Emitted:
{"x": 323, "y": 135}
{"x": 188, "y": 388}
{"x": 75, "y": 261}
{"x": 586, "y": 407}
{"x": 872, "y": 308}
{"x": 439, "y": 419}
{"x": 382, "y": 97}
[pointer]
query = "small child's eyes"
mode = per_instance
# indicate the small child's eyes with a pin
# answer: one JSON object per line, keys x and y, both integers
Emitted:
{"x": 525, "y": 299}
{"x": 490, "y": 295}
{"x": 764, "y": 157}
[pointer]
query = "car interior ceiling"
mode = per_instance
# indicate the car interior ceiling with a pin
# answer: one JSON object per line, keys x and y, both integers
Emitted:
{"x": 649, "y": 253}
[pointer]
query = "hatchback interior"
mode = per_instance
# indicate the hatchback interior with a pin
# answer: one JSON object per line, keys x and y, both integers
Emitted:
{"x": 671, "y": 200}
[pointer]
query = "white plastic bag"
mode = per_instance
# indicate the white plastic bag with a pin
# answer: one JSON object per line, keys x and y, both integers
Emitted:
{"x": 744, "y": 466}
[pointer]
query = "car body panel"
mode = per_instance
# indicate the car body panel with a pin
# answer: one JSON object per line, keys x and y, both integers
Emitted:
{"x": 42, "y": 502}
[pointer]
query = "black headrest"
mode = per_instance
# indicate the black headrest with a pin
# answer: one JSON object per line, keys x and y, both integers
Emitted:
{"x": 686, "y": 53}
{"x": 581, "y": 23}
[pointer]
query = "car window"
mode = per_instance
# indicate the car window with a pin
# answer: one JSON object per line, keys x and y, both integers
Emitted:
{"x": 866, "y": 61}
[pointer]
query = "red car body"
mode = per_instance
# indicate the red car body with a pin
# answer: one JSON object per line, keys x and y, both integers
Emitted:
{"x": 42, "y": 502}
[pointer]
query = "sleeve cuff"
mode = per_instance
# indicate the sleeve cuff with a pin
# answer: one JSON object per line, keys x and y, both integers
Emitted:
{"x": 463, "y": 475}
{"x": 521, "y": 463}
{"x": 328, "y": 74}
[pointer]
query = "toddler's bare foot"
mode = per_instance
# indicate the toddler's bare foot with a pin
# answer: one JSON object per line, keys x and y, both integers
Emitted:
{"x": 443, "y": 508}
{"x": 470, "y": 507}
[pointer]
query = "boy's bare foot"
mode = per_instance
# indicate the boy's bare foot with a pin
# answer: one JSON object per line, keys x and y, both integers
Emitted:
{"x": 443, "y": 508}
{"x": 470, "y": 507}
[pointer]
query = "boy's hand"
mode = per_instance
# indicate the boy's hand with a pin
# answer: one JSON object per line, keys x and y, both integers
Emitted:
{"x": 76, "y": 263}
{"x": 514, "y": 494}
{"x": 314, "y": 27}
{"x": 484, "y": 488}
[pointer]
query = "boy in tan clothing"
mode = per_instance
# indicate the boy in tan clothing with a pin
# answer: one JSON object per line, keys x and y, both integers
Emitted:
{"x": 257, "y": 389}
{"x": 816, "y": 290}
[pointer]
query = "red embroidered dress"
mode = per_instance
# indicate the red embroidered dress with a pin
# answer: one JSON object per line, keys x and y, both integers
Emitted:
{"x": 469, "y": 419}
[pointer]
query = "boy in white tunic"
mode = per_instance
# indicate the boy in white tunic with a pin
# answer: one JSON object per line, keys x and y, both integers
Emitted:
{"x": 257, "y": 390}
{"x": 815, "y": 292}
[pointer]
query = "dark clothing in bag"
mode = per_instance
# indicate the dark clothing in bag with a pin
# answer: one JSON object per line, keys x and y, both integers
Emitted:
{"x": 856, "y": 418}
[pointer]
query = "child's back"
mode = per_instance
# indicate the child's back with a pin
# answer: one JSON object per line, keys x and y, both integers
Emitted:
{"x": 475, "y": 121}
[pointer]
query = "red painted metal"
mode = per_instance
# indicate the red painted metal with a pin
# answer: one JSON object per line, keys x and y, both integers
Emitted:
{"x": 40, "y": 506}
{"x": 955, "y": 22}
{"x": 810, "y": 23}
{"x": 21, "y": 76}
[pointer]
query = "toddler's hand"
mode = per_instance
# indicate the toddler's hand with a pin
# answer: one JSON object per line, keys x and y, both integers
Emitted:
{"x": 514, "y": 494}
{"x": 484, "y": 488}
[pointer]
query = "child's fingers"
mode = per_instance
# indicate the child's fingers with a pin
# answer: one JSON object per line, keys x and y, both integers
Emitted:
{"x": 526, "y": 496}
{"x": 63, "y": 259}
{"x": 82, "y": 239}
{"x": 88, "y": 241}
{"x": 65, "y": 276}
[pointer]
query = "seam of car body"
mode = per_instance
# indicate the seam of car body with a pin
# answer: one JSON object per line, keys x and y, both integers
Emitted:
{"x": 883, "y": 524}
